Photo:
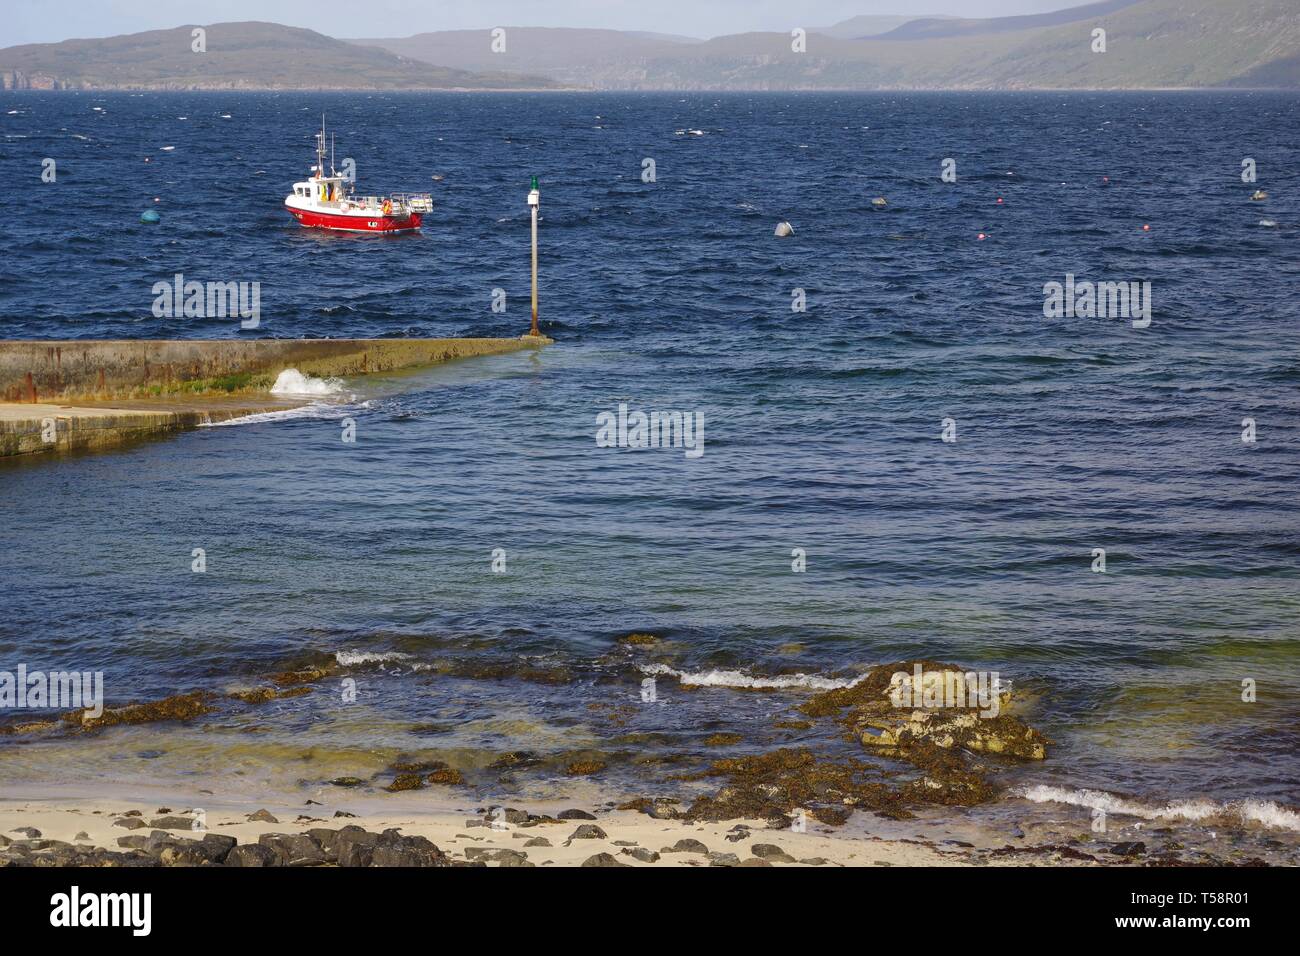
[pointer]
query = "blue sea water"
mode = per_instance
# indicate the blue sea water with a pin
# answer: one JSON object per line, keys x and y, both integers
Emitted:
{"x": 822, "y": 427}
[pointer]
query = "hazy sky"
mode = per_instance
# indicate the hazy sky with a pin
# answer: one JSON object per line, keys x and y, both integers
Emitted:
{"x": 46, "y": 21}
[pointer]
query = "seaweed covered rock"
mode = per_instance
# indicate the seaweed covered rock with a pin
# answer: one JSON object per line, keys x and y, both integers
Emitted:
{"x": 938, "y": 718}
{"x": 773, "y": 785}
{"x": 178, "y": 707}
{"x": 909, "y": 708}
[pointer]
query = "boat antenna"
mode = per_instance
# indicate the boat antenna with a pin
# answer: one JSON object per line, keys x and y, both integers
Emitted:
{"x": 333, "y": 170}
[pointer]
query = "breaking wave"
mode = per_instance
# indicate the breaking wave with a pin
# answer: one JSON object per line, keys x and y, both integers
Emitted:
{"x": 726, "y": 678}
{"x": 354, "y": 658}
{"x": 1263, "y": 812}
{"x": 293, "y": 382}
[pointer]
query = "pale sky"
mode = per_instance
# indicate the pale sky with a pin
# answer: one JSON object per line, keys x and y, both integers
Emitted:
{"x": 48, "y": 21}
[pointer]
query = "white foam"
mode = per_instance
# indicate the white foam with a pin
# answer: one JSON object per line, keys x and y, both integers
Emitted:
{"x": 1264, "y": 812}
{"x": 725, "y": 678}
{"x": 293, "y": 382}
{"x": 353, "y": 658}
{"x": 314, "y": 410}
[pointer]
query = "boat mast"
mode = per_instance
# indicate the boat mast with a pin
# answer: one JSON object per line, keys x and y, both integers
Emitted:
{"x": 320, "y": 150}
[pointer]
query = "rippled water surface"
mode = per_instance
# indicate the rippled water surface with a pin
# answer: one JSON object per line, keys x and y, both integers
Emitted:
{"x": 822, "y": 428}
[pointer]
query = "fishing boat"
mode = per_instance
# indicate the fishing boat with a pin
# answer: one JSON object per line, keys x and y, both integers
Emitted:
{"x": 331, "y": 202}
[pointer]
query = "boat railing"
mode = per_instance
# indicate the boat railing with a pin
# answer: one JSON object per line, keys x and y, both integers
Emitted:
{"x": 414, "y": 202}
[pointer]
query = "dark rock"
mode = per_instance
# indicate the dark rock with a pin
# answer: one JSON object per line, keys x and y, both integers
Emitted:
{"x": 588, "y": 831}
{"x": 1129, "y": 849}
{"x": 159, "y": 840}
{"x": 538, "y": 841}
{"x": 504, "y": 814}
{"x": 328, "y": 840}
{"x": 219, "y": 845}
{"x": 343, "y": 813}
{"x": 347, "y": 781}
{"x": 250, "y": 854}
{"x": 262, "y": 816}
{"x": 504, "y": 857}
{"x": 355, "y": 846}
{"x": 130, "y": 823}
{"x": 186, "y": 853}
{"x": 30, "y": 832}
{"x": 814, "y": 861}
{"x": 172, "y": 823}
{"x": 575, "y": 815}
{"x": 392, "y": 849}
{"x": 770, "y": 851}
{"x": 135, "y": 841}
{"x": 686, "y": 846}
{"x": 602, "y": 859}
{"x": 642, "y": 854}
{"x": 292, "y": 847}
{"x": 723, "y": 859}
{"x": 401, "y": 855}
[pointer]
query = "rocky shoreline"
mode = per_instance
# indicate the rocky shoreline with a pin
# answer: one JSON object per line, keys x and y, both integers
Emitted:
{"x": 793, "y": 805}
{"x": 496, "y": 836}
{"x": 89, "y": 834}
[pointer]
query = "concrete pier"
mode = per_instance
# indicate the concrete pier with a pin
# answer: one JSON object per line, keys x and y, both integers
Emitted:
{"x": 43, "y": 371}
{"x": 65, "y": 395}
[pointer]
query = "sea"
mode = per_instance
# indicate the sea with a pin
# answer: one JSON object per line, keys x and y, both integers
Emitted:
{"x": 901, "y": 450}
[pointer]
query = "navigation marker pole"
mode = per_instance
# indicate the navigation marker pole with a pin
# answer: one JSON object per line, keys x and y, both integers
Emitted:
{"x": 534, "y": 203}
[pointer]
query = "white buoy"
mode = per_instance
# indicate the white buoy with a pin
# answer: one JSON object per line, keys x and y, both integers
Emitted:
{"x": 1259, "y": 195}
{"x": 784, "y": 229}
{"x": 879, "y": 201}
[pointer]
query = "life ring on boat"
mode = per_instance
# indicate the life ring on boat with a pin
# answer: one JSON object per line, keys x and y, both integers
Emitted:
{"x": 388, "y": 207}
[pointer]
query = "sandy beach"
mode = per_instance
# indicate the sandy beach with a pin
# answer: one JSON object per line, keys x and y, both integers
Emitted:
{"x": 559, "y": 834}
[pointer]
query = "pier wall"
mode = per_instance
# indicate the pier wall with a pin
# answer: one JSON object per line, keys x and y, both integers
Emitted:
{"x": 100, "y": 370}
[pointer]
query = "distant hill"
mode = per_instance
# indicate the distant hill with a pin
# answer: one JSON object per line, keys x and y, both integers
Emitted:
{"x": 869, "y": 25}
{"x": 1151, "y": 44}
{"x": 604, "y": 59}
{"x": 928, "y": 28}
{"x": 253, "y": 56}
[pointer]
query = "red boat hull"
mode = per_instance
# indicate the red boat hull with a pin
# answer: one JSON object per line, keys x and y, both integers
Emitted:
{"x": 380, "y": 223}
